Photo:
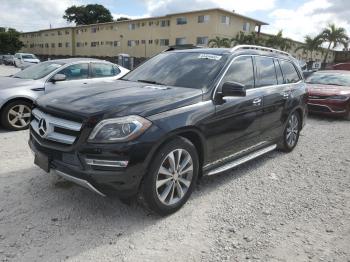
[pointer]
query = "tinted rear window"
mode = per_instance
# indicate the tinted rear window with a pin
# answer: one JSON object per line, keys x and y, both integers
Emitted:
{"x": 266, "y": 71}
{"x": 241, "y": 71}
{"x": 289, "y": 72}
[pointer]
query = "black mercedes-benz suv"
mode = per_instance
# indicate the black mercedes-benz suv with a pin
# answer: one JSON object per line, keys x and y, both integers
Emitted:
{"x": 181, "y": 115}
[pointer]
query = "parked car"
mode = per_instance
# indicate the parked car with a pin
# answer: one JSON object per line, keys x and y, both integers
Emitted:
{"x": 341, "y": 66}
{"x": 18, "y": 92}
{"x": 23, "y": 60}
{"x": 7, "y": 59}
{"x": 178, "y": 116}
{"x": 329, "y": 93}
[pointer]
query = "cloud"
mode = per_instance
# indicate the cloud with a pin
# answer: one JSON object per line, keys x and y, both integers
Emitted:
{"x": 35, "y": 14}
{"x": 161, "y": 7}
{"x": 310, "y": 18}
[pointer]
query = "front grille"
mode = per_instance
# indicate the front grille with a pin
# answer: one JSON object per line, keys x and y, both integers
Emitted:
{"x": 319, "y": 108}
{"x": 55, "y": 129}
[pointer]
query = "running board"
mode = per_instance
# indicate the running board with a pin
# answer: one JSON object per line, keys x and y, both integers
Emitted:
{"x": 242, "y": 160}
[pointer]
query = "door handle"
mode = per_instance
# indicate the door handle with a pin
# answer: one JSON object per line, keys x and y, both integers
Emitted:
{"x": 257, "y": 101}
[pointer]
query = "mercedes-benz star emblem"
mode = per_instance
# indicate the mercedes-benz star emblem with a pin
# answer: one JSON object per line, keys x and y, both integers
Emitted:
{"x": 42, "y": 127}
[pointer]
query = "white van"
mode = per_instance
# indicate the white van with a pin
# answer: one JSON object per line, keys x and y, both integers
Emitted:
{"x": 23, "y": 60}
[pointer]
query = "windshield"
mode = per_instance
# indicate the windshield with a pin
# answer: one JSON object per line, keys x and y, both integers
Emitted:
{"x": 338, "y": 79}
{"x": 193, "y": 70}
{"x": 38, "y": 71}
{"x": 28, "y": 56}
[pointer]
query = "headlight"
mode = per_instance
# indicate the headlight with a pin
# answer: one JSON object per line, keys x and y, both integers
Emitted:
{"x": 119, "y": 129}
{"x": 338, "y": 97}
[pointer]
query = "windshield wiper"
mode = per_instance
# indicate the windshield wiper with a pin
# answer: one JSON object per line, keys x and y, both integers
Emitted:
{"x": 150, "y": 82}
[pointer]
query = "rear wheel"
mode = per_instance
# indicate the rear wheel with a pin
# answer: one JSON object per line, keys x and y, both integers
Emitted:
{"x": 171, "y": 178}
{"x": 291, "y": 133}
{"x": 16, "y": 115}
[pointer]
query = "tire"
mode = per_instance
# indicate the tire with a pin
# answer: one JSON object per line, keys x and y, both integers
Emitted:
{"x": 291, "y": 133}
{"x": 174, "y": 188}
{"x": 19, "y": 109}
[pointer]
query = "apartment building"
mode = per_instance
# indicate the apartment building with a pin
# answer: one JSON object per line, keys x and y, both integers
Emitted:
{"x": 139, "y": 37}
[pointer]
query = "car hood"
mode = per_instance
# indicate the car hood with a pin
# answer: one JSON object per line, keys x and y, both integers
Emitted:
{"x": 12, "y": 82}
{"x": 120, "y": 98}
{"x": 317, "y": 89}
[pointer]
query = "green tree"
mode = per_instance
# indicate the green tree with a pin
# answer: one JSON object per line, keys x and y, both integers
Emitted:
{"x": 88, "y": 14}
{"x": 9, "y": 41}
{"x": 311, "y": 44}
{"x": 334, "y": 36}
{"x": 122, "y": 19}
{"x": 279, "y": 42}
{"x": 247, "y": 39}
{"x": 219, "y": 42}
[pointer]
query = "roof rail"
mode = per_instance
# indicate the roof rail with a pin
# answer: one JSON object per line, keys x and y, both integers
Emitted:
{"x": 262, "y": 48}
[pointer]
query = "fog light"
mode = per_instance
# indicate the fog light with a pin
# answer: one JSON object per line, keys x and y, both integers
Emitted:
{"x": 107, "y": 163}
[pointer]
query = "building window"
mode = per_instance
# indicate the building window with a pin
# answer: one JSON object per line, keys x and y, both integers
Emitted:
{"x": 132, "y": 26}
{"x": 59, "y": 44}
{"x": 181, "y": 20}
{"x": 59, "y": 32}
{"x": 116, "y": 43}
{"x": 46, "y": 45}
{"x": 164, "y": 42}
{"x": 79, "y": 44}
{"x": 131, "y": 43}
{"x": 53, "y": 45}
{"x": 143, "y": 42}
{"x": 94, "y": 44}
{"x": 67, "y": 32}
{"x": 94, "y": 29}
{"x": 164, "y": 23}
{"x": 150, "y": 42}
{"x": 202, "y": 40}
{"x": 110, "y": 43}
{"x": 203, "y": 19}
{"x": 150, "y": 23}
{"x": 180, "y": 41}
{"x": 225, "y": 20}
{"x": 67, "y": 44}
{"x": 246, "y": 27}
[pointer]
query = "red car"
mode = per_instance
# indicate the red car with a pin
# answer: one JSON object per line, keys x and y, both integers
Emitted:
{"x": 329, "y": 93}
{"x": 341, "y": 66}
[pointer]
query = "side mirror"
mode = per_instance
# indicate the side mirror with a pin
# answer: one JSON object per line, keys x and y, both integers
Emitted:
{"x": 58, "y": 77}
{"x": 233, "y": 89}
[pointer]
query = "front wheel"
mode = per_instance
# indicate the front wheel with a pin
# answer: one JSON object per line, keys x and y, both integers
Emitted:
{"x": 171, "y": 178}
{"x": 291, "y": 133}
{"x": 16, "y": 115}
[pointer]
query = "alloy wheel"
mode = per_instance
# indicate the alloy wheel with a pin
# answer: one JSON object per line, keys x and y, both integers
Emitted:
{"x": 19, "y": 116}
{"x": 292, "y": 130}
{"x": 174, "y": 177}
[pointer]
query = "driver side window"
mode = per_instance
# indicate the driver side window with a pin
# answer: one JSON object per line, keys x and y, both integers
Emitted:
{"x": 241, "y": 71}
{"x": 75, "y": 72}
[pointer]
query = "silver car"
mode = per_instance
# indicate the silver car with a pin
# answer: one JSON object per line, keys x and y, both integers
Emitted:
{"x": 17, "y": 92}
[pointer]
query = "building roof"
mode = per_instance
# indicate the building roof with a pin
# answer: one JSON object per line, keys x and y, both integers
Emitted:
{"x": 155, "y": 17}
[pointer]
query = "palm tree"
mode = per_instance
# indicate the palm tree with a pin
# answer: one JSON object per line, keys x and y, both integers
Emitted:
{"x": 334, "y": 36}
{"x": 219, "y": 42}
{"x": 278, "y": 41}
{"x": 311, "y": 44}
{"x": 246, "y": 39}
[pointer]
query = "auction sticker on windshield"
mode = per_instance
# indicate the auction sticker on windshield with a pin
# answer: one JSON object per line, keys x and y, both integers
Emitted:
{"x": 209, "y": 56}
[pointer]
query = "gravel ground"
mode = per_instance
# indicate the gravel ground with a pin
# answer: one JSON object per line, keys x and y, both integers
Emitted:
{"x": 280, "y": 207}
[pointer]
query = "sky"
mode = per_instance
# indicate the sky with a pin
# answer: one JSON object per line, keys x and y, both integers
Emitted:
{"x": 297, "y": 18}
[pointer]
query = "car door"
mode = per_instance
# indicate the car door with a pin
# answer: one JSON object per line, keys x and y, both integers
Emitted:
{"x": 236, "y": 125}
{"x": 102, "y": 72}
{"x": 76, "y": 75}
{"x": 275, "y": 94}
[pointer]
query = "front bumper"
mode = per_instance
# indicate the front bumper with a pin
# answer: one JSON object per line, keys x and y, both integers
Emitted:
{"x": 73, "y": 165}
{"x": 329, "y": 107}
